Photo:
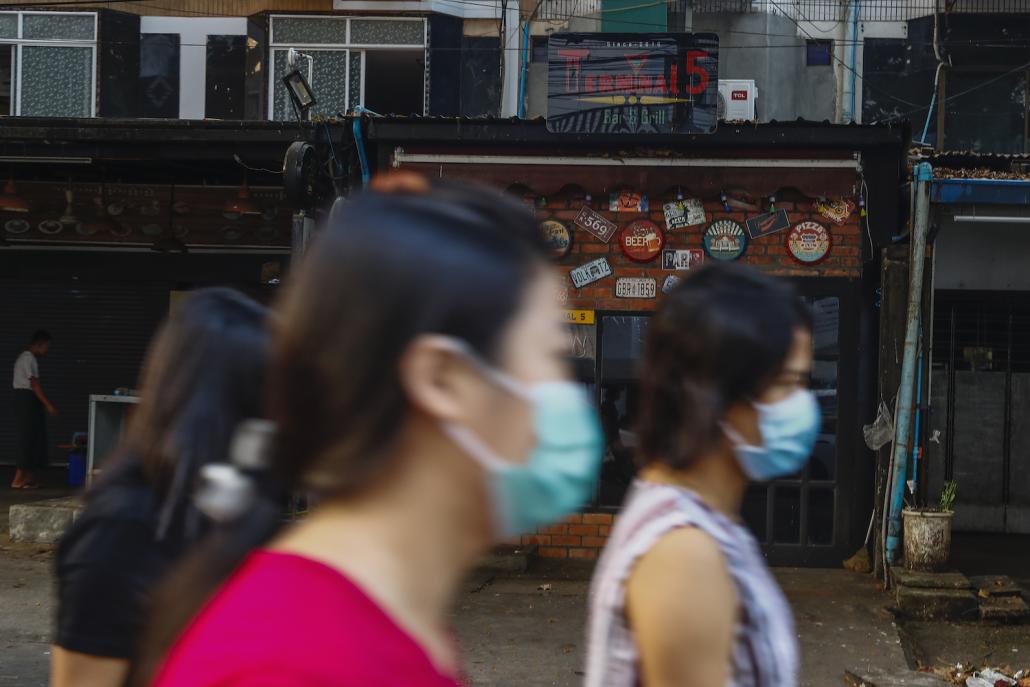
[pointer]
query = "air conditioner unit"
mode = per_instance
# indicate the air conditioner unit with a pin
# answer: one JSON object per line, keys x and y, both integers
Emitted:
{"x": 738, "y": 100}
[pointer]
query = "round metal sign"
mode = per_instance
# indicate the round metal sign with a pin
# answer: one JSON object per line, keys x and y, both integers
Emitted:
{"x": 642, "y": 240}
{"x": 558, "y": 238}
{"x": 725, "y": 240}
{"x": 809, "y": 242}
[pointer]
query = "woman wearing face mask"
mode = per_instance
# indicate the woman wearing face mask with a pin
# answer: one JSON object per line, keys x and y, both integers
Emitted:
{"x": 419, "y": 384}
{"x": 682, "y": 596}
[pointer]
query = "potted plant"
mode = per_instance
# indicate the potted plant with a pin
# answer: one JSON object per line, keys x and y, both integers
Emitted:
{"x": 928, "y": 532}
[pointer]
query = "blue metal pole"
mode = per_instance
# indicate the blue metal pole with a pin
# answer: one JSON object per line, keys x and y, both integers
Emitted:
{"x": 903, "y": 422}
{"x": 919, "y": 412}
{"x": 853, "y": 76}
{"x": 525, "y": 69}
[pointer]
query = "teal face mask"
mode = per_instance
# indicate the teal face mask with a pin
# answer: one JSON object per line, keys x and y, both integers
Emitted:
{"x": 560, "y": 474}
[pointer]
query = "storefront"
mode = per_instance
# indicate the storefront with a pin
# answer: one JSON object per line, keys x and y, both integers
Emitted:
{"x": 625, "y": 221}
{"x": 104, "y": 223}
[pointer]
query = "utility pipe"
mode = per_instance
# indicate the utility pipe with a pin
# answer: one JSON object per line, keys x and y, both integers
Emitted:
{"x": 919, "y": 405}
{"x": 525, "y": 70}
{"x": 903, "y": 418}
{"x": 851, "y": 66}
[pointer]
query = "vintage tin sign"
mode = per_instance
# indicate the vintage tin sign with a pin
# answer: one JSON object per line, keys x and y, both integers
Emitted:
{"x": 579, "y": 316}
{"x": 725, "y": 240}
{"x": 642, "y": 240}
{"x": 627, "y": 201}
{"x": 590, "y": 272}
{"x": 684, "y": 213}
{"x": 809, "y": 242}
{"x": 682, "y": 259}
{"x": 670, "y": 283}
{"x": 633, "y": 83}
{"x": 769, "y": 223}
{"x": 837, "y": 210}
{"x": 590, "y": 221}
{"x": 558, "y": 238}
{"x": 561, "y": 295}
{"x": 635, "y": 287}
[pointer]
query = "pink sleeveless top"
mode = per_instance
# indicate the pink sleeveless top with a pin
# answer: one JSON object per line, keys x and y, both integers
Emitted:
{"x": 284, "y": 620}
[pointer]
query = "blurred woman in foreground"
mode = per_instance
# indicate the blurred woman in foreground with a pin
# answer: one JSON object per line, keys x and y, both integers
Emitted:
{"x": 203, "y": 374}
{"x": 682, "y": 596}
{"x": 419, "y": 383}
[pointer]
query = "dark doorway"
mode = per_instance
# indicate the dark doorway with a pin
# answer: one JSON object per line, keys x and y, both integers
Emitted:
{"x": 395, "y": 81}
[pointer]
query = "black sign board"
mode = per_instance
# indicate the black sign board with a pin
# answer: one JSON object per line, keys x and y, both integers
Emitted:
{"x": 633, "y": 83}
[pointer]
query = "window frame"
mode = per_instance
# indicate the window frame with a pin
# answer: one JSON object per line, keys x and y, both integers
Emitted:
{"x": 813, "y": 42}
{"x": 988, "y": 72}
{"x": 19, "y": 43}
{"x": 347, "y": 46}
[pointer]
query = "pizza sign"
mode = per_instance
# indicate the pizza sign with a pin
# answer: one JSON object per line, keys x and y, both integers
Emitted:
{"x": 809, "y": 242}
{"x": 642, "y": 240}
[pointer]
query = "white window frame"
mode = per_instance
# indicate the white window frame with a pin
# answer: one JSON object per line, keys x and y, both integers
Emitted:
{"x": 348, "y": 46}
{"x": 19, "y": 43}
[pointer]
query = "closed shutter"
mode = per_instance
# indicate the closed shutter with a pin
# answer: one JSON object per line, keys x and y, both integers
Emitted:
{"x": 101, "y": 331}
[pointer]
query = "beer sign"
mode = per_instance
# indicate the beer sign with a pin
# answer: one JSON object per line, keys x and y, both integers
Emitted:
{"x": 633, "y": 83}
{"x": 642, "y": 240}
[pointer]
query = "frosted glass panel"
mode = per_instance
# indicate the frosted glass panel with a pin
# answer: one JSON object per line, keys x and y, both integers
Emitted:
{"x": 56, "y": 81}
{"x": 52, "y": 27}
{"x": 328, "y": 83}
{"x": 309, "y": 30}
{"x": 355, "y": 80}
{"x": 380, "y": 32}
{"x": 8, "y": 25}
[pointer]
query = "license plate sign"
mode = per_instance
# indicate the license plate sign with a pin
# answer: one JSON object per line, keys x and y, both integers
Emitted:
{"x": 590, "y": 221}
{"x": 635, "y": 287}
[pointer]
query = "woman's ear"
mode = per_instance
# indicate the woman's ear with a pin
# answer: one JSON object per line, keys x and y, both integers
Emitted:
{"x": 435, "y": 378}
{"x": 743, "y": 418}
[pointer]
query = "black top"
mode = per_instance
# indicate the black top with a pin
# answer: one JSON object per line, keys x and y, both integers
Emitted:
{"x": 108, "y": 565}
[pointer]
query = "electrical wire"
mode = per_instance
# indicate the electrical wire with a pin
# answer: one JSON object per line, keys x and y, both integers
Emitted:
{"x": 244, "y": 165}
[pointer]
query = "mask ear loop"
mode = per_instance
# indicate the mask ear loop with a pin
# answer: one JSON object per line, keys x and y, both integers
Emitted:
{"x": 501, "y": 379}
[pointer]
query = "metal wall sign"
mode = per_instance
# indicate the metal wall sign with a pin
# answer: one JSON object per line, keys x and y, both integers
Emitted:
{"x": 837, "y": 210}
{"x": 635, "y": 287}
{"x": 558, "y": 238}
{"x": 590, "y": 272}
{"x": 684, "y": 213}
{"x": 579, "y": 316}
{"x": 633, "y": 83}
{"x": 725, "y": 240}
{"x": 592, "y": 222}
{"x": 682, "y": 259}
{"x": 628, "y": 201}
{"x": 642, "y": 240}
{"x": 670, "y": 283}
{"x": 809, "y": 242}
{"x": 769, "y": 223}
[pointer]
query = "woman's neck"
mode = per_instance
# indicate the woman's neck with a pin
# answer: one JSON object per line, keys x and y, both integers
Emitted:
{"x": 716, "y": 478}
{"x": 408, "y": 543}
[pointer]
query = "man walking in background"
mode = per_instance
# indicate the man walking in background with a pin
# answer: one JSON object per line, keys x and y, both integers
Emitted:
{"x": 31, "y": 407}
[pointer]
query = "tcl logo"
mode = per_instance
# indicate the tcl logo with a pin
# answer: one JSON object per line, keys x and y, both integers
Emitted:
{"x": 738, "y": 95}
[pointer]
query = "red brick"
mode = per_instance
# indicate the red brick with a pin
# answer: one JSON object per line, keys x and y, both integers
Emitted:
{"x": 849, "y": 251}
{"x": 594, "y": 248}
{"x": 536, "y": 540}
{"x": 552, "y": 552}
{"x": 594, "y": 542}
{"x": 553, "y": 529}
{"x": 604, "y": 530}
{"x": 565, "y": 541}
{"x": 575, "y": 518}
{"x": 583, "y": 530}
{"x": 597, "y": 518}
{"x": 565, "y": 215}
{"x": 583, "y": 554}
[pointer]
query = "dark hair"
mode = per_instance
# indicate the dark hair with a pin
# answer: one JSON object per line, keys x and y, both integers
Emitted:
{"x": 41, "y": 336}
{"x": 455, "y": 260}
{"x": 720, "y": 337}
{"x": 204, "y": 373}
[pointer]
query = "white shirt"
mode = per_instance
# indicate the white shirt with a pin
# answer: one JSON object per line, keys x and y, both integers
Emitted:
{"x": 25, "y": 370}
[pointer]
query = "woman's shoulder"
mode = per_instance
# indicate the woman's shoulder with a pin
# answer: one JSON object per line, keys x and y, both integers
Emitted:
{"x": 116, "y": 521}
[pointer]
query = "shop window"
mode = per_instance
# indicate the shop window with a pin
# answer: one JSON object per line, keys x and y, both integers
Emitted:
{"x": 48, "y": 64}
{"x": 786, "y": 515}
{"x": 395, "y": 81}
{"x": 818, "y": 53}
{"x": 226, "y": 65}
{"x": 539, "y": 49}
{"x": 986, "y": 112}
{"x": 378, "y": 63}
{"x": 159, "y": 74}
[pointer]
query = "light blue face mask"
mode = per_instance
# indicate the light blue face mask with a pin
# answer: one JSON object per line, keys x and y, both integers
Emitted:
{"x": 561, "y": 472}
{"x": 789, "y": 429}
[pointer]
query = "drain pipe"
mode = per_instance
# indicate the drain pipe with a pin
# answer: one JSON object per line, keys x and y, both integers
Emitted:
{"x": 903, "y": 418}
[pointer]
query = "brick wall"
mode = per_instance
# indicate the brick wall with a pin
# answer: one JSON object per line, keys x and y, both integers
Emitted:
{"x": 582, "y": 536}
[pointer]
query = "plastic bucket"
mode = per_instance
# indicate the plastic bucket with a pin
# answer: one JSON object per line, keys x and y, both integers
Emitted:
{"x": 927, "y": 539}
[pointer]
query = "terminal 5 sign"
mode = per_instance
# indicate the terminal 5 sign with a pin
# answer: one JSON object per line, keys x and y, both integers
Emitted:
{"x": 633, "y": 83}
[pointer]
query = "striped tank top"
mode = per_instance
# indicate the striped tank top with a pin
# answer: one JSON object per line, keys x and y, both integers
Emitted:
{"x": 764, "y": 652}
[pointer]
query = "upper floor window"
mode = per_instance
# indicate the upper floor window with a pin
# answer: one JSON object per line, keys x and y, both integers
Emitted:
{"x": 48, "y": 64}
{"x": 376, "y": 62}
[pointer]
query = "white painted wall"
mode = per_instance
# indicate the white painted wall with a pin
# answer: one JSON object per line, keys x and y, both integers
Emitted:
{"x": 193, "y": 33}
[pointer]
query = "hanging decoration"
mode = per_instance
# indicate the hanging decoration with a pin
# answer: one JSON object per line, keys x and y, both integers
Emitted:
{"x": 593, "y": 223}
{"x": 684, "y": 213}
{"x": 642, "y": 240}
{"x": 809, "y": 242}
{"x": 626, "y": 200}
{"x": 557, "y": 237}
{"x": 769, "y": 223}
{"x": 837, "y": 210}
{"x": 725, "y": 240}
